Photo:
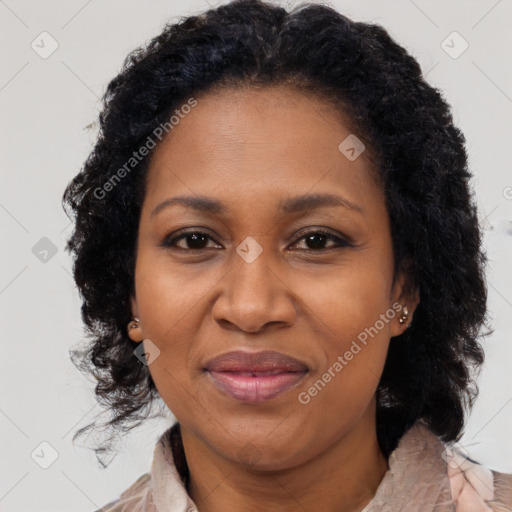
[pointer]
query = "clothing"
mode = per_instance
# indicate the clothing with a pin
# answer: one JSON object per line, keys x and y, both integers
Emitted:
{"x": 422, "y": 477}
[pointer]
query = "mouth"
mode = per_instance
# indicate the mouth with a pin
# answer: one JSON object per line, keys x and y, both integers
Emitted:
{"x": 255, "y": 376}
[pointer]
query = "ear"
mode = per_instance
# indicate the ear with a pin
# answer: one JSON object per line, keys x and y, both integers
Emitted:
{"x": 134, "y": 307}
{"x": 403, "y": 296}
{"x": 134, "y": 327}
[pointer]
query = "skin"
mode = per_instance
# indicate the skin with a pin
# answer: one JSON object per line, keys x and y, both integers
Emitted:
{"x": 250, "y": 149}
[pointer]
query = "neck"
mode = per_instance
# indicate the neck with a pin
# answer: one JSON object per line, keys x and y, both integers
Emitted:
{"x": 343, "y": 478}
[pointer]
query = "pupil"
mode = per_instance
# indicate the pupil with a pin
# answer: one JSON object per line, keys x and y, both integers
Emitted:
{"x": 320, "y": 239}
{"x": 197, "y": 241}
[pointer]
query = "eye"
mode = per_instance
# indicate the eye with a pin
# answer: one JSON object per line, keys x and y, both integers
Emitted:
{"x": 316, "y": 239}
{"x": 194, "y": 241}
{"x": 198, "y": 241}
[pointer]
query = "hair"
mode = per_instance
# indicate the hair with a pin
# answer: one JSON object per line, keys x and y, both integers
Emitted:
{"x": 420, "y": 156}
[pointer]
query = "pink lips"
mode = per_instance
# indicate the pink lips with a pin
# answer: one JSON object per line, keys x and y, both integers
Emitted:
{"x": 255, "y": 376}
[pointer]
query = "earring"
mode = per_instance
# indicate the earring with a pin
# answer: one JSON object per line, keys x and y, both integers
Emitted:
{"x": 134, "y": 324}
{"x": 405, "y": 314}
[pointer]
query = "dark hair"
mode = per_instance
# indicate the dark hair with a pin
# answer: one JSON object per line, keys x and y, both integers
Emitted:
{"x": 422, "y": 165}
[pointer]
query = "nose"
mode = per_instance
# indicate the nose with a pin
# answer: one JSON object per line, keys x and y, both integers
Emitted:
{"x": 254, "y": 296}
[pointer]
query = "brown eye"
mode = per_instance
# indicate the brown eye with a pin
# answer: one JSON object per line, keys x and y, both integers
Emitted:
{"x": 194, "y": 240}
{"x": 317, "y": 239}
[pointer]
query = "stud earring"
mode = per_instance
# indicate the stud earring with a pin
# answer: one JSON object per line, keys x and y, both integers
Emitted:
{"x": 405, "y": 314}
{"x": 134, "y": 324}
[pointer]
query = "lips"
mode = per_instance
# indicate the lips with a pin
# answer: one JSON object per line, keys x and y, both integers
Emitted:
{"x": 255, "y": 376}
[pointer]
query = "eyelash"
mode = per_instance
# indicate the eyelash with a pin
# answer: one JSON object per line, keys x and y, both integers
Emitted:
{"x": 170, "y": 242}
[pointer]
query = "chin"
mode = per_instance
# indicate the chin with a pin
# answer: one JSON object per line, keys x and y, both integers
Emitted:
{"x": 262, "y": 453}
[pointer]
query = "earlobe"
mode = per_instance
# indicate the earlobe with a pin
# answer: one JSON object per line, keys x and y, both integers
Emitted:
{"x": 135, "y": 330}
{"x": 408, "y": 304}
{"x": 134, "y": 327}
{"x": 403, "y": 319}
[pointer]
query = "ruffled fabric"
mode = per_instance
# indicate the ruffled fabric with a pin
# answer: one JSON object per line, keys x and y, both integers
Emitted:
{"x": 424, "y": 475}
{"x": 475, "y": 488}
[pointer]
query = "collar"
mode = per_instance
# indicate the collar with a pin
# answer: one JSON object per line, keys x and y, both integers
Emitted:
{"x": 416, "y": 481}
{"x": 421, "y": 478}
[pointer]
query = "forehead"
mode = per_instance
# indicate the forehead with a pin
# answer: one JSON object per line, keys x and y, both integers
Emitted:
{"x": 267, "y": 142}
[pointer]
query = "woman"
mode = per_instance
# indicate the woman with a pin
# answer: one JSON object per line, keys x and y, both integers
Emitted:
{"x": 276, "y": 236}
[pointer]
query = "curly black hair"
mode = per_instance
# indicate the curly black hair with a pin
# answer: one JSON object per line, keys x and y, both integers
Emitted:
{"x": 357, "y": 68}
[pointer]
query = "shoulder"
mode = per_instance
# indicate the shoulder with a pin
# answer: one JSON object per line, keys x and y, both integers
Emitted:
{"x": 477, "y": 488}
{"x": 429, "y": 475}
{"x": 162, "y": 486}
{"x": 130, "y": 499}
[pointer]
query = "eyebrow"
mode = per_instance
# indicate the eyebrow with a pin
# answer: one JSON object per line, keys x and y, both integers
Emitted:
{"x": 287, "y": 206}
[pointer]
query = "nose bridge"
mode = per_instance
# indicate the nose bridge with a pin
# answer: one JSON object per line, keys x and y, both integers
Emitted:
{"x": 251, "y": 274}
{"x": 252, "y": 294}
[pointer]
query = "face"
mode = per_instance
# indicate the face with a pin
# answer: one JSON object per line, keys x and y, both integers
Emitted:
{"x": 258, "y": 267}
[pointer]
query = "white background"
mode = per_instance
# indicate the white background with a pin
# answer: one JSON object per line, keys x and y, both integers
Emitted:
{"x": 46, "y": 105}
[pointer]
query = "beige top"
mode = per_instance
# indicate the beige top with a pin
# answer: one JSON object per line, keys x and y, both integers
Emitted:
{"x": 423, "y": 476}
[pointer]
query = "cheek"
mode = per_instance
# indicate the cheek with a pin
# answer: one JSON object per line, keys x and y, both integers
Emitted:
{"x": 356, "y": 317}
{"x": 167, "y": 294}
{"x": 350, "y": 300}
{"x": 165, "y": 304}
